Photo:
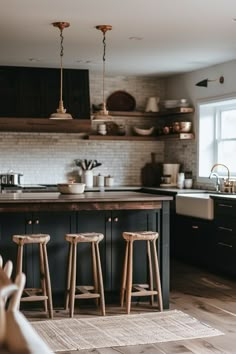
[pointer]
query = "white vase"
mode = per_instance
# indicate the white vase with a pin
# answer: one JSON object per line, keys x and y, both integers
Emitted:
{"x": 152, "y": 104}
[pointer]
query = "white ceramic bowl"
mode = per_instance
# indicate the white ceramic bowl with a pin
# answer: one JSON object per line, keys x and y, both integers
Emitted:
{"x": 71, "y": 188}
{"x": 143, "y": 131}
{"x": 170, "y": 103}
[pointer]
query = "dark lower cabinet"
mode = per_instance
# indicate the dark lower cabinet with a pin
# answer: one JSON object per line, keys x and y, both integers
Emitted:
{"x": 112, "y": 249}
{"x": 191, "y": 240}
{"x": 57, "y": 224}
{"x": 211, "y": 244}
{"x": 224, "y": 236}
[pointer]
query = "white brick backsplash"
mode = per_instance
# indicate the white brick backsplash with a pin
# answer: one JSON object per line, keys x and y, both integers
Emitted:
{"x": 49, "y": 158}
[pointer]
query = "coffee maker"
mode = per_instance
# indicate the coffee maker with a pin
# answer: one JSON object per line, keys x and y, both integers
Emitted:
{"x": 169, "y": 174}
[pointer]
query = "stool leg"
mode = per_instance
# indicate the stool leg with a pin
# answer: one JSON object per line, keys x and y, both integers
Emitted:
{"x": 73, "y": 279}
{"x": 95, "y": 271}
{"x": 150, "y": 271}
{"x": 42, "y": 276}
{"x": 47, "y": 280}
{"x": 19, "y": 262}
{"x": 68, "y": 277}
{"x": 124, "y": 275}
{"x": 129, "y": 277}
{"x": 157, "y": 275}
{"x": 100, "y": 280}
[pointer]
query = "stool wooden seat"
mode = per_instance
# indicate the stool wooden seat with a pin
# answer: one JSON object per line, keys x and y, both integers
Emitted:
{"x": 127, "y": 278}
{"x": 36, "y": 294}
{"x": 84, "y": 292}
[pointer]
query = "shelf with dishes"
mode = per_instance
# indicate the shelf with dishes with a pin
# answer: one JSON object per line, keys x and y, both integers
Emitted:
{"x": 162, "y": 113}
{"x": 177, "y": 136}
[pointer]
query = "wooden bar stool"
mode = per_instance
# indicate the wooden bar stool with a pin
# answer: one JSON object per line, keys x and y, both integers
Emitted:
{"x": 127, "y": 278}
{"x": 84, "y": 292}
{"x": 32, "y": 294}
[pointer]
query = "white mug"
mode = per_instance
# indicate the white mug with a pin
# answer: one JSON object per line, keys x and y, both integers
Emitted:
{"x": 188, "y": 183}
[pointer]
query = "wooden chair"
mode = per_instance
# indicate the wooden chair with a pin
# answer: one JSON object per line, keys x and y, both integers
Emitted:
{"x": 36, "y": 294}
{"x": 84, "y": 292}
{"x": 128, "y": 288}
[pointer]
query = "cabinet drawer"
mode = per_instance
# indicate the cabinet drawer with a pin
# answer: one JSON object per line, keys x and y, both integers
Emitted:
{"x": 227, "y": 227}
{"x": 224, "y": 240}
{"x": 224, "y": 208}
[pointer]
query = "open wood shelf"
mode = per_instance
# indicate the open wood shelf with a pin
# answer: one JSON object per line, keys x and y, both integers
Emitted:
{"x": 45, "y": 125}
{"x": 180, "y": 136}
{"x": 167, "y": 112}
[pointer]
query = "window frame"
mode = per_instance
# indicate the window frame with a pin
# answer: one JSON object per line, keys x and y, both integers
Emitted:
{"x": 216, "y": 127}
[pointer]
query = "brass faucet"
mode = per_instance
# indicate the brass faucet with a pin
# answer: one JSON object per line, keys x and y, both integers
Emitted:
{"x": 214, "y": 174}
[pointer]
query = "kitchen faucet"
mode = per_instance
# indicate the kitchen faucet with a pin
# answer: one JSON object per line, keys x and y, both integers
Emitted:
{"x": 214, "y": 174}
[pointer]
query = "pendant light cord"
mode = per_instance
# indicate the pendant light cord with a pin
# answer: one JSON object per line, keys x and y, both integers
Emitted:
{"x": 104, "y": 60}
{"x": 61, "y": 55}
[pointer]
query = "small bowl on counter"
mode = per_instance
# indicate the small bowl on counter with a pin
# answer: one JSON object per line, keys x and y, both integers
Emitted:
{"x": 144, "y": 130}
{"x": 71, "y": 188}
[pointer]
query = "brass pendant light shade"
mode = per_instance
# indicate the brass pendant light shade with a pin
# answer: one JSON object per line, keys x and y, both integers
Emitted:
{"x": 103, "y": 114}
{"x": 61, "y": 111}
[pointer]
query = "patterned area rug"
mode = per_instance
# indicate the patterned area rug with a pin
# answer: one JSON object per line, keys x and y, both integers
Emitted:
{"x": 122, "y": 330}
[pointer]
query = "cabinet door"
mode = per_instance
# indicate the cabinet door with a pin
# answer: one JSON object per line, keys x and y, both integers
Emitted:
{"x": 56, "y": 224}
{"x": 224, "y": 239}
{"x": 92, "y": 221}
{"x": 76, "y": 93}
{"x": 10, "y": 224}
{"x": 192, "y": 240}
{"x": 9, "y": 88}
{"x": 132, "y": 220}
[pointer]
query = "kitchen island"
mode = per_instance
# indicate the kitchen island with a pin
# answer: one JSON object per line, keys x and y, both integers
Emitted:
{"x": 108, "y": 212}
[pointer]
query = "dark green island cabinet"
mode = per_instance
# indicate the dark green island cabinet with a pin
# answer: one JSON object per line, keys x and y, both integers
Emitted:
{"x": 57, "y": 215}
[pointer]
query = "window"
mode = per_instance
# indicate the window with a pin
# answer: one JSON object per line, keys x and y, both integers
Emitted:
{"x": 217, "y": 137}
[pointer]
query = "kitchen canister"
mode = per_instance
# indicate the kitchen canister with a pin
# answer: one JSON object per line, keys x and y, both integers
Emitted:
{"x": 109, "y": 181}
{"x": 88, "y": 178}
{"x": 100, "y": 180}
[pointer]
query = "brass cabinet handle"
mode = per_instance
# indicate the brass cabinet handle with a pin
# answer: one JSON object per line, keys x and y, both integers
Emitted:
{"x": 36, "y": 221}
{"x": 108, "y": 219}
{"x": 195, "y": 227}
{"x": 29, "y": 222}
{"x": 116, "y": 219}
{"x": 225, "y": 205}
{"x": 225, "y": 244}
{"x": 225, "y": 228}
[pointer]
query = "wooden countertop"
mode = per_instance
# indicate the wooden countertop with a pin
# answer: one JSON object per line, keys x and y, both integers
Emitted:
{"x": 86, "y": 201}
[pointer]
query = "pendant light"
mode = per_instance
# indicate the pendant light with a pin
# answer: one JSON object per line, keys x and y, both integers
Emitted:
{"x": 61, "y": 111}
{"x": 103, "y": 113}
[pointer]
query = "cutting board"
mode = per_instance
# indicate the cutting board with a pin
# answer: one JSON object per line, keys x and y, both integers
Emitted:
{"x": 151, "y": 172}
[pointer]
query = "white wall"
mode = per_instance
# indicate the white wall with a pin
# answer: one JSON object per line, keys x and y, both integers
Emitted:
{"x": 183, "y": 86}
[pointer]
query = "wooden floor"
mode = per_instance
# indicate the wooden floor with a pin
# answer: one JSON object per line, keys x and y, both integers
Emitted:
{"x": 207, "y": 297}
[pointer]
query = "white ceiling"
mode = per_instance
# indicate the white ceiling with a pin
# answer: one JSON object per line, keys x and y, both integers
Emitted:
{"x": 177, "y": 35}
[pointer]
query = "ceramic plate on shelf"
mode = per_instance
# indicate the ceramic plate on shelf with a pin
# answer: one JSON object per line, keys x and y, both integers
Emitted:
{"x": 121, "y": 101}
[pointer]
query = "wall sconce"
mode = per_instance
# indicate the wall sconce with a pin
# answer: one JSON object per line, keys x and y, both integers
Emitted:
{"x": 204, "y": 83}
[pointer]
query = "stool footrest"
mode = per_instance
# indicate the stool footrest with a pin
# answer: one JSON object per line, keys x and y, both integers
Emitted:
{"x": 85, "y": 289}
{"x": 87, "y": 296}
{"x": 34, "y": 298}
